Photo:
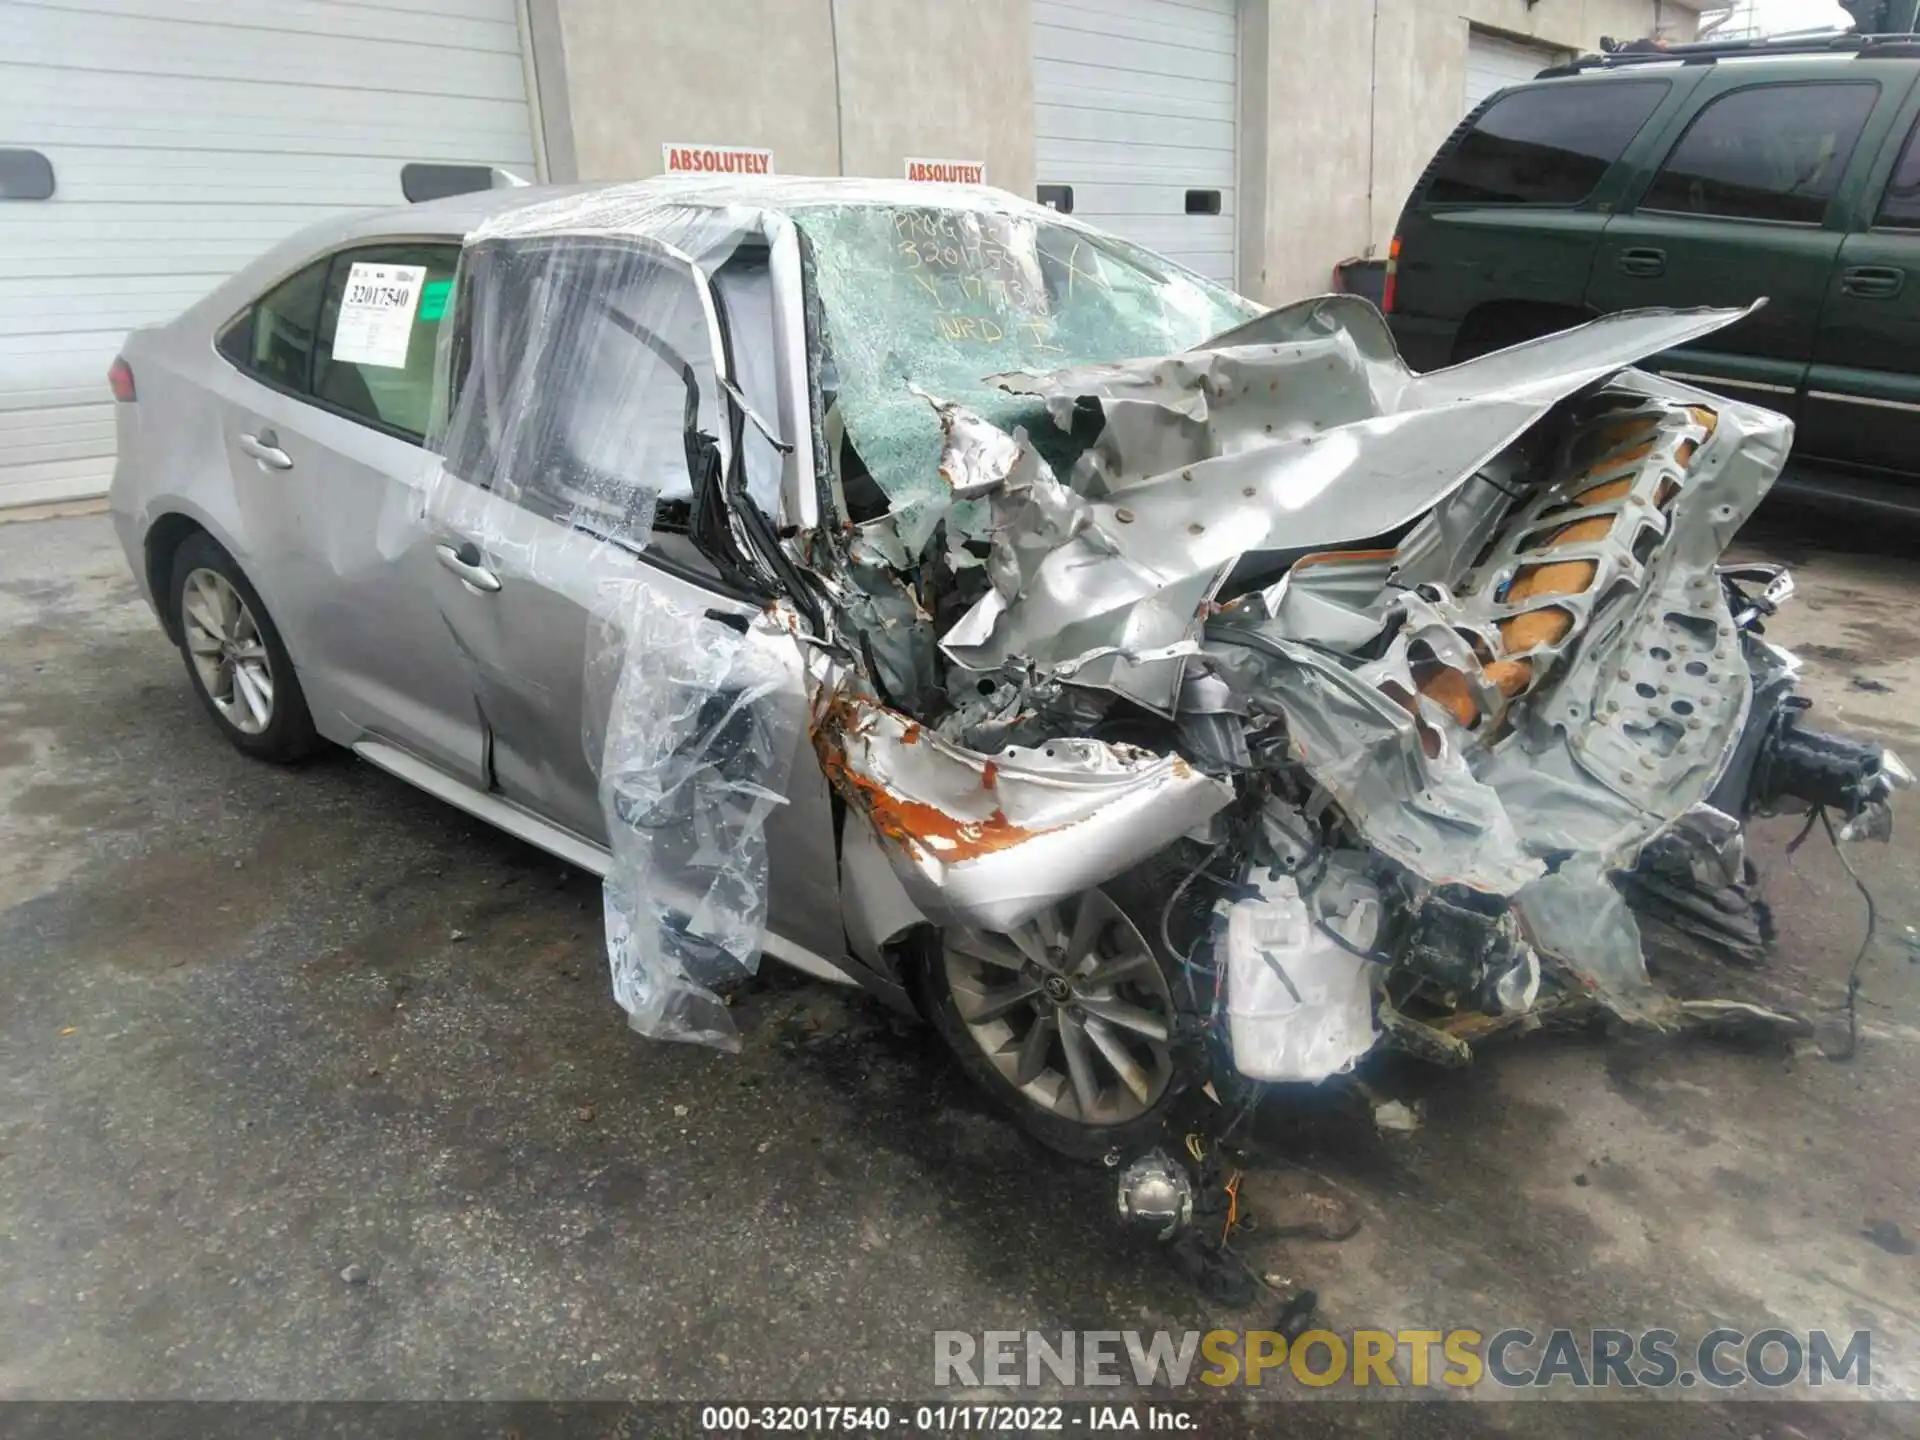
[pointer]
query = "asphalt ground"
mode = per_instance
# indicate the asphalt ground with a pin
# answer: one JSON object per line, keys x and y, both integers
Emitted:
{"x": 315, "y": 1089}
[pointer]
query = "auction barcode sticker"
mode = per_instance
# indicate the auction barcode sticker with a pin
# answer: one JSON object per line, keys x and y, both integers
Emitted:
{"x": 376, "y": 314}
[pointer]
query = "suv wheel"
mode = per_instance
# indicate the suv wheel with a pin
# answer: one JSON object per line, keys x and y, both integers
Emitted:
{"x": 235, "y": 656}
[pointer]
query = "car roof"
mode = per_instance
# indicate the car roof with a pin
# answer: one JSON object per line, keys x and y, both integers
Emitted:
{"x": 451, "y": 218}
{"x": 642, "y": 206}
{"x": 634, "y": 207}
{"x": 455, "y": 215}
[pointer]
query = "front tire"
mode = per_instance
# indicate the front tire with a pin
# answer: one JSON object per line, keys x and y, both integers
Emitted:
{"x": 234, "y": 655}
{"x": 1078, "y": 1023}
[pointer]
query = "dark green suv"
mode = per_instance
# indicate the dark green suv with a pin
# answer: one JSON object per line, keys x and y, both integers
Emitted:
{"x": 1703, "y": 175}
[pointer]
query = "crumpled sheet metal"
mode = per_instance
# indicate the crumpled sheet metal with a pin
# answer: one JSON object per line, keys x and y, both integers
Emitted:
{"x": 1581, "y": 693}
{"x": 1215, "y": 453}
{"x": 700, "y": 734}
{"x": 1638, "y": 725}
{"x": 1032, "y": 287}
{"x": 1578, "y": 917}
{"x": 989, "y": 841}
{"x": 860, "y": 276}
{"x": 1428, "y": 812}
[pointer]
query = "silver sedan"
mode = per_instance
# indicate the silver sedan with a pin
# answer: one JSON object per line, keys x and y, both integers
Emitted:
{"x": 935, "y": 593}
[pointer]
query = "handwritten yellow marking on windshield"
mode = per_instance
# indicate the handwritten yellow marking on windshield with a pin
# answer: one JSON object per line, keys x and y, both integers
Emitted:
{"x": 1094, "y": 276}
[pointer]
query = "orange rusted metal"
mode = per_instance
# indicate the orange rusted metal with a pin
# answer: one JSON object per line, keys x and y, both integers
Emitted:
{"x": 912, "y": 824}
{"x": 1448, "y": 688}
{"x": 1605, "y": 491}
{"x": 1342, "y": 557}
{"x": 1630, "y": 442}
{"x": 919, "y": 827}
{"x": 1511, "y": 676}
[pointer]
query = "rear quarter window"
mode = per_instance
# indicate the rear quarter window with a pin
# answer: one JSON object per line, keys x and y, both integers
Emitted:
{"x": 1900, "y": 207}
{"x": 1550, "y": 145}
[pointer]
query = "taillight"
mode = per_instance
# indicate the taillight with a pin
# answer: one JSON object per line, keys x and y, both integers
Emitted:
{"x": 120, "y": 377}
{"x": 1388, "y": 294}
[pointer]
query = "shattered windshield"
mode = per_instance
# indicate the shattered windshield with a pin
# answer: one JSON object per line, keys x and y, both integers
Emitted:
{"x": 940, "y": 299}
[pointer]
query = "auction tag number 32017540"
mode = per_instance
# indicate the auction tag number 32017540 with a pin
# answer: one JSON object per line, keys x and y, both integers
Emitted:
{"x": 376, "y": 314}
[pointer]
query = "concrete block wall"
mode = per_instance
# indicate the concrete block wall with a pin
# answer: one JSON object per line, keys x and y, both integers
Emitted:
{"x": 1343, "y": 102}
{"x": 832, "y": 87}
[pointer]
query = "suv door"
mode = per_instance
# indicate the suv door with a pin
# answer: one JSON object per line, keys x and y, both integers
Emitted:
{"x": 567, "y": 469}
{"x": 1743, "y": 206}
{"x": 327, "y": 455}
{"x": 1498, "y": 237}
{"x": 1862, "y": 402}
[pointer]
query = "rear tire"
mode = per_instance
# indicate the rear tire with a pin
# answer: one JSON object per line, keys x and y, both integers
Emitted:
{"x": 234, "y": 655}
{"x": 1012, "y": 1025}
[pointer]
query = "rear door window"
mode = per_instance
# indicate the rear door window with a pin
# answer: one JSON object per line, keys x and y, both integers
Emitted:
{"x": 287, "y": 338}
{"x": 394, "y": 387}
{"x": 1769, "y": 152}
{"x": 1900, "y": 206}
{"x": 1547, "y": 146}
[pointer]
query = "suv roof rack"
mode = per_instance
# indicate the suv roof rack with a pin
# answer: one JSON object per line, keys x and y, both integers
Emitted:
{"x": 1706, "y": 52}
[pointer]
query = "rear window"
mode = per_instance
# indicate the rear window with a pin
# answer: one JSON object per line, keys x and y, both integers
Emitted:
{"x": 1545, "y": 146}
{"x": 1772, "y": 152}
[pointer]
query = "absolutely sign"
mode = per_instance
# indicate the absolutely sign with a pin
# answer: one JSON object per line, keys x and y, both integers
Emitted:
{"x": 951, "y": 172}
{"x": 679, "y": 159}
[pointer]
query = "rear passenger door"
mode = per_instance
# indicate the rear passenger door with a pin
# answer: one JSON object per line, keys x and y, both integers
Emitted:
{"x": 1743, "y": 207}
{"x": 326, "y": 447}
{"x": 1862, "y": 403}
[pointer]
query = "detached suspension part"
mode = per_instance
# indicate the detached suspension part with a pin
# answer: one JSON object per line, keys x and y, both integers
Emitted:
{"x": 1826, "y": 771}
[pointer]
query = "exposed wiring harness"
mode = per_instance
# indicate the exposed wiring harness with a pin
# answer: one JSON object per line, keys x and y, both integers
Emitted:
{"x": 1820, "y": 816}
{"x": 1866, "y": 943}
{"x": 1185, "y": 957}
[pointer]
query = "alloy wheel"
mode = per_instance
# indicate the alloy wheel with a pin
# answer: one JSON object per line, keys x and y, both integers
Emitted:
{"x": 228, "y": 651}
{"x": 1072, "y": 1009}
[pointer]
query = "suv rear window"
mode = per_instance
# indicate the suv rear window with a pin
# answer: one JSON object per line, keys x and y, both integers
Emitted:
{"x": 1545, "y": 146}
{"x": 1771, "y": 152}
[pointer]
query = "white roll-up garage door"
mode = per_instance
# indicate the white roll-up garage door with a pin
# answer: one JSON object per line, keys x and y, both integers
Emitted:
{"x": 1495, "y": 62}
{"x": 186, "y": 136}
{"x": 1135, "y": 109}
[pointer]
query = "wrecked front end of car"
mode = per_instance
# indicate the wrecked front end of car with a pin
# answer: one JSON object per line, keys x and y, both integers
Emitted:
{"x": 1236, "y": 710}
{"x": 1443, "y": 658}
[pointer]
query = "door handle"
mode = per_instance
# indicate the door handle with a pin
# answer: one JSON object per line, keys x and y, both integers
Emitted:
{"x": 265, "y": 448}
{"x": 1873, "y": 282}
{"x": 1643, "y": 262}
{"x": 464, "y": 560}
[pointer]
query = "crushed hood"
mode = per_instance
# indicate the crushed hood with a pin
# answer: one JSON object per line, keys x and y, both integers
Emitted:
{"x": 1318, "y": 438}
